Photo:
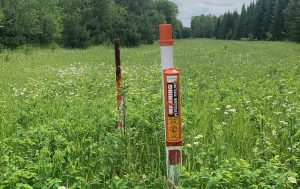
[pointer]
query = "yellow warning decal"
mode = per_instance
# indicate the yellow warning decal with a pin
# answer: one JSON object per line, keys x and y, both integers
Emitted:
{"x": 173, "y": 129}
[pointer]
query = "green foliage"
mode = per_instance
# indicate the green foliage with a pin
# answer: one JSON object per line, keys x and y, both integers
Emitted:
{"x": 186, "y": 32}
{"x": 168, "y": 9}
{"x": 31, "y": 21}
{"x": 79, "y": 24}
{"x": 74, "y": 34}
{"x": 251, "y": 37}
{"x": 177, "y": 28}
{"x": 50, "y": 21}
{"x": 269, "y": 36}
{"x": 203, "y": 26}
{"x": 238, "y": 173}
{"x": 139, "y": 26}
{"x": 1, "y": 17}
{"x": 167, "y": 12}
{"x": 9, "y": 33}
{"x": 230, "y": 34}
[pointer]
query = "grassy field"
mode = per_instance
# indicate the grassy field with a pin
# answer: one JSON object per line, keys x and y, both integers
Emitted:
{"x": 240, "y": 108}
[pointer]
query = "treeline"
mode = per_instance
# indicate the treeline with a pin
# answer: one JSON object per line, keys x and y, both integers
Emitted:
{"x": 80, "y": 23}
{"x": 261, "y": 20}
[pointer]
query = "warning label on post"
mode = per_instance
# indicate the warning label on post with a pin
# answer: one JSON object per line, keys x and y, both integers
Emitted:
{"x": 172, "y": 107}
{"x": 173, "y": 129}
{"x": 173, "y": 119}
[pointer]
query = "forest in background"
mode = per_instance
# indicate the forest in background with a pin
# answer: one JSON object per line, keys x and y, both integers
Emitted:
{"x": 81, "y": 23}
{"x": 261, "y": 20}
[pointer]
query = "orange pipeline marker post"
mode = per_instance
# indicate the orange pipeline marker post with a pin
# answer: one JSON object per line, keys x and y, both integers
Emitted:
{"x": 172, "y": 114}
{"x": 121, "y": 115}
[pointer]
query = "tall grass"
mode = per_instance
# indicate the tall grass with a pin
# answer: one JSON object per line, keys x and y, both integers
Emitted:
{"x": 240, "y": 107}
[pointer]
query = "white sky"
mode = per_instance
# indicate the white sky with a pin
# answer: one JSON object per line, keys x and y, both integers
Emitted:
{"x": 189, "y": 8}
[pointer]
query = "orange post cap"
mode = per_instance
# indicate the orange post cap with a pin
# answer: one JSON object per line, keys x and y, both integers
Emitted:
{"x": 166, "y": 35}
{"x": 171, "y": 71}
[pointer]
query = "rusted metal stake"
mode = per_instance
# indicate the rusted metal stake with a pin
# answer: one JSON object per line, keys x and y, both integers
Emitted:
{"x": 121, "y": 122}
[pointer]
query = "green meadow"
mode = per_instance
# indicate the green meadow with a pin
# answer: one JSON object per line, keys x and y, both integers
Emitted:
{"x": 240, "y": 105}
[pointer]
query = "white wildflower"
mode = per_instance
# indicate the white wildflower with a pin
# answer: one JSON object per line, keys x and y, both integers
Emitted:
{"x": 283, "y": 122}
{"x": 255, "y": 150}
{"x": 144, "y": 177}
{"x": 198, "y": 137}
{"x": 277, "y": 113}
{"x": 232, "y": 110}
{"x": 292, "y": 180}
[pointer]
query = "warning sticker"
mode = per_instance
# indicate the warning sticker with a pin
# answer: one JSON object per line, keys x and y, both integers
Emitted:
{"x": 173, "y": 122}
{"x": 172, "y": 109}
{"x": 172, "y": 99}
{"x": 173, "y": 129}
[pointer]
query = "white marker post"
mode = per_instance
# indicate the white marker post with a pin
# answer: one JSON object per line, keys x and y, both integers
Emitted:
{"x": 172, "y": 116}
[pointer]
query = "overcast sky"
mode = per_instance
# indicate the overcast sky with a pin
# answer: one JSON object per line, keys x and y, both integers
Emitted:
{"x": 189, "y": 8}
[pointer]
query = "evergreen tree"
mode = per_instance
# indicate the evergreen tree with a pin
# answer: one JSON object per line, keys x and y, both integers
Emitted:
{"x": 267, "y": 20}
{"x": 250, "y": 20}
{"x": 292, "y": 20}
{"x": 241, "y": 26}
{"x": 278, "y": 28}
{"x": 260, "y": 11}
{"x": 226, "y": 25}
{"x": 217, "y": 28}
{"x": 1, "y": 17}
{"x": 263, "y": 19}
{"x": 235, "y": 20}
{"x": 229, "y": 34}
